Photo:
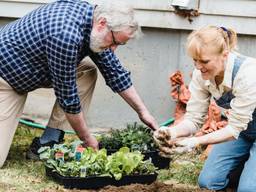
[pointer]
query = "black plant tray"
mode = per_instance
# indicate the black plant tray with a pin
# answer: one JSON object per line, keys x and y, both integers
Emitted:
{"x": 158, "y": 161}
{"x": 94, "y": 182}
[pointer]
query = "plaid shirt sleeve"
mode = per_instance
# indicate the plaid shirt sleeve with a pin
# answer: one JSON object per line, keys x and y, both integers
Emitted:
{"x": 62, "y": 61}
{"x": 116, "y": 77}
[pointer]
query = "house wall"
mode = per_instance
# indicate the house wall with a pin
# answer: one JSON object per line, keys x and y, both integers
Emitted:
{"x": 151, "y": 59}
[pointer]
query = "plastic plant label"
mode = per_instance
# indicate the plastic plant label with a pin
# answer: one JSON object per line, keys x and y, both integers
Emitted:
{"x": 59, "y": 156}
{"x": 78, "y": 152}
{"x": 83, "y": 172}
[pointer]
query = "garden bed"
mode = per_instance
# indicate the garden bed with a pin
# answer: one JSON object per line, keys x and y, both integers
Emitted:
{"x": 22, "y": 175}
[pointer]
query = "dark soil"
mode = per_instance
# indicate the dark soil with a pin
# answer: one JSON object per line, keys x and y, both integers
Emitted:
{"x": 154, "y": 187}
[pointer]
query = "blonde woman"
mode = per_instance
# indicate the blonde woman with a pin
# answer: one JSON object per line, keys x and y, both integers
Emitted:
{"x": 229, "y": 78}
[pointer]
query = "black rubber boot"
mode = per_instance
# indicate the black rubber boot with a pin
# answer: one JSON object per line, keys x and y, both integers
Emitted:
{"x": 32, "y": 152}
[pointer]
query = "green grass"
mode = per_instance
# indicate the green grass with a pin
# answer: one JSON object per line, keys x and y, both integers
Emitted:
{"x": 183, "y": 169}
{"x": 22, "y": 175}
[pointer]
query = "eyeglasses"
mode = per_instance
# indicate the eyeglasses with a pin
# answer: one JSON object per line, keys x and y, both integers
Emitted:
{"x": 114, "y": 40}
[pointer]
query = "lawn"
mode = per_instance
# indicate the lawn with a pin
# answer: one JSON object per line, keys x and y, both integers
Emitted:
{"x": 20, "y": 174}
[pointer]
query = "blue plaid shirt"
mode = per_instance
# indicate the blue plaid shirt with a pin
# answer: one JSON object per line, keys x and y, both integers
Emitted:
{"x": 44, "y": 48}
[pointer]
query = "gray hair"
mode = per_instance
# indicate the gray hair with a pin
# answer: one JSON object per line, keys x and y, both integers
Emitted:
{"x": 119, "y": 16}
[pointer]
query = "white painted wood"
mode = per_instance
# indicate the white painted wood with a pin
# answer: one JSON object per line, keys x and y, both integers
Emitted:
{"x": 238, "y": 14}
{"x": 163, "y": 5}
{"x": 172, "y": 21}
{"x": 28, "y": 1}
{"x": 244, "y": 8}
{"x": 16, "y": 9}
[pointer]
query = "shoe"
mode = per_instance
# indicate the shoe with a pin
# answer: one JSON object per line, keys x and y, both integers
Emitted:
{"x": 32, "y": 152}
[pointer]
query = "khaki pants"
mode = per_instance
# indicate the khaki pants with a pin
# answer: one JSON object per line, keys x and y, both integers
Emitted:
{"x": 12, "y": 105}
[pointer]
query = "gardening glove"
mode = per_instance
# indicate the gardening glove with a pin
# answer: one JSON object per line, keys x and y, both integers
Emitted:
{"x": 186, "y": 145}
{"x": 164, "y": 136}
{"x": 180, "y": 146}
{"x": 165, "y": 151}
{"x": 166, "y": 148}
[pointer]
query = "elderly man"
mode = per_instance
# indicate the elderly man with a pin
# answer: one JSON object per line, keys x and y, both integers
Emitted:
{"x": 45, "y": 48}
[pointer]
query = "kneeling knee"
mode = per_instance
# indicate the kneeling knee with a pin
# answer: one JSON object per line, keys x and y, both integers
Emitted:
{"x": 209, "y": 181}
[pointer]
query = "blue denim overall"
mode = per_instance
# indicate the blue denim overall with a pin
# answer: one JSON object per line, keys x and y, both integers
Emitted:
{"x": 227, "y": 156}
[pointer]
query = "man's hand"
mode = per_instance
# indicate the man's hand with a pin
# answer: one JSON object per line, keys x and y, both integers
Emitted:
{"x": 78, "y": 123}
{"x": 149, "y": 120}
{"x": 91, "y": 141}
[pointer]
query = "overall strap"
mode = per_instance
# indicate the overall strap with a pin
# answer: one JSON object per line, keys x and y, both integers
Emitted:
{"x": 238, "y": 62}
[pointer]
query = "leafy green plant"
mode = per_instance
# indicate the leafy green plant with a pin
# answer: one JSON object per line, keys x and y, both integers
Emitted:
{"x": 135, "y": 136}
{"x": 124, "y": 162}
{"x": 70, "y": 160}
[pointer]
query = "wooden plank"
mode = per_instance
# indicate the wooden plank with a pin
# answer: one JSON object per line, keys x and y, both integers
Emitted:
{"x": 14, "y": 9}
{"x": 244, "y": 8}
{"x": 152, "y": 13}
{"x": 163, "y": 5}
{"x": 28, "y": 1}
{"x": 172, "y": 21}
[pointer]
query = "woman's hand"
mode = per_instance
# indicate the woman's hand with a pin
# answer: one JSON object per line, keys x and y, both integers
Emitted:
{"x": 179, "y": 145}
{"x": 165, "y": 136}
{"x": 186, "y": 145}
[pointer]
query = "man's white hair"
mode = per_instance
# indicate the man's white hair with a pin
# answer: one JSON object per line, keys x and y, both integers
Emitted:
{"x": 119, "y": 16}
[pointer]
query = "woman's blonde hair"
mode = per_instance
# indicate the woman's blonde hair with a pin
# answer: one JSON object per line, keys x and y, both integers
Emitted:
{"x": 215, "y": 38}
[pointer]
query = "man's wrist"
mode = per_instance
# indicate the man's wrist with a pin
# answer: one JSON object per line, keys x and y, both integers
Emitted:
{"x": 85, "y": 135}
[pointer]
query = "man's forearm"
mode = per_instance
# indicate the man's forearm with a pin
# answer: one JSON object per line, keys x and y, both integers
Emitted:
{"x": 78, "y": 123}
{"x": 131, "y": 96}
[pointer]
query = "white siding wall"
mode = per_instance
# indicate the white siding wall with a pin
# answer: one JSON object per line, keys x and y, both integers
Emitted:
{"x": 238, "y": 14}
{"x": 151, "y": 59}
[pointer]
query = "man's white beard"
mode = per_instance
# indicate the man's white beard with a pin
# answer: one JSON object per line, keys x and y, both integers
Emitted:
{"x": 97, "y": 40}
